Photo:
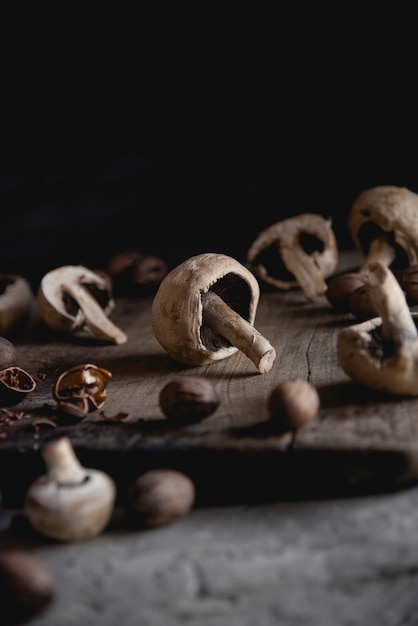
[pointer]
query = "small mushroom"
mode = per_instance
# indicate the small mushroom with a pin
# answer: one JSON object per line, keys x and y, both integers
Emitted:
{"x": 292, "y": 404}
{"x": 188, "y": 399}
{"x": 27, "y": 586}
{"x": 300, "y": 251}
{"x": 383, "y": 223}
{"x": 204, "y": 310}
{"x": 73, "y": 298}
{"x": 159, "y": 497}
{"x": 382, "y": 352}
{"x": 15, "y": 385}
{"x": 69, "y": 502}
{"x": 17, "y": 302}
{"x": 82, "y": 389}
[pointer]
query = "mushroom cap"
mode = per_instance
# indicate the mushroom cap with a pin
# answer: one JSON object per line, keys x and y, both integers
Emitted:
{"x": 290, "y": 233}
{"x": 390, "y": 209}
{"x": 395, "y": 374}
{"x": 177, "y": 309}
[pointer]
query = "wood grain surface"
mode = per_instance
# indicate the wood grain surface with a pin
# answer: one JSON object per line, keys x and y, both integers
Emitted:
{"x": 360, "y": 442}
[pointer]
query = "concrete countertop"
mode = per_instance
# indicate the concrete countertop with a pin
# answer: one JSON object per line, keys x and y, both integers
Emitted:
{"x": 334, "y": 562}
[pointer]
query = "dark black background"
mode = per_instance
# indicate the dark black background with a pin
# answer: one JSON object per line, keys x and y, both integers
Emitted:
{"x": 183, "y": 141}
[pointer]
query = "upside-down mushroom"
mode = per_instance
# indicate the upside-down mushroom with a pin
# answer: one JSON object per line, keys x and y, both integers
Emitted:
{"x": 300, "y": 251}
{"x": 383, "y": 223}
{"x": 382, "y": 352}
{"x": 204, "y": 310}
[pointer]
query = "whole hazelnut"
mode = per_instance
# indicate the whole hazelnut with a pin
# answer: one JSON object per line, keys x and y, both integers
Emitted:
{"x": 339, "y": 289}
{"x": 188, "y": 399}
{"x": 408, "y": 280}
{"x": 292, "y": 404}
{"x": 160, "y": 496}
{"x": 27, "y": 586}
{"x": 361, "y": 304}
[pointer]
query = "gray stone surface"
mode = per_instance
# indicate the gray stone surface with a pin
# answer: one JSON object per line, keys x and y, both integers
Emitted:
{"x": 351, "y": 562}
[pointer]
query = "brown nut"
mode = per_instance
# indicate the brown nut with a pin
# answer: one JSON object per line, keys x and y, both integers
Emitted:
{"x": 340, "y": 288}
{"x": 361, "y": 304}
{"x": 160, "y": 496}
{"x": 292, "y": 404}
{"x": 188, "y": 399}
{"x": 27, "y": 587}
{"x": 82, "y": 389}
{"x": 134, "y": 273}
{"x": 15, "y": 384}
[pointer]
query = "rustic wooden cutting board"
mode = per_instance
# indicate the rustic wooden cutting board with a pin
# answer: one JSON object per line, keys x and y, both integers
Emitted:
{"x": 360, "y": 442}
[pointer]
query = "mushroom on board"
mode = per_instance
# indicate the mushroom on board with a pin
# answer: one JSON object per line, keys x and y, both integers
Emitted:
{"x": 299, "y": 251}
{"x": 204, "y": 311}
{"x": 383, "y": 223}
{"x": 382, "y": 352}
{"x": 73, "y": 298}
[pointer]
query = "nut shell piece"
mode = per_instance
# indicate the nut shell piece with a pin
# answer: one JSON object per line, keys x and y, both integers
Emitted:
{"x": 82, "y": 388}
{"x": 177, "y": 310}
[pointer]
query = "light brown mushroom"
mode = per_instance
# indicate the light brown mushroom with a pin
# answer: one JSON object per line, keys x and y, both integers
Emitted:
{"x": 204, "y": 310}
{"x": 383, "y": 223}
{"x": 17, "y": 302}
{"x": 300, "y": 251}
{"x": 73, "y": 298}
{"x": 69, "y": 502}
{"x": 382, "y": 353}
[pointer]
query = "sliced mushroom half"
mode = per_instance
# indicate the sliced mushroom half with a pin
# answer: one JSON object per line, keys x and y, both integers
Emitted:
{"x": 300, "y": 251}
{"x": 73, "y": 298}
{"x": 383, "y": 223}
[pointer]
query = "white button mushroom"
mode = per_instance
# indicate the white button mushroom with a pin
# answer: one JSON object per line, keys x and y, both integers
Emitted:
{"x": 204, "y": 310}
{"x": 69, "y": 502}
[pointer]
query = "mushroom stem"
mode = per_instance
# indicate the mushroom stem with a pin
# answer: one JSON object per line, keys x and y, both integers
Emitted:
{"x": 380, "y": 250}
{"x": 386, "y": 293}
{"x": 224, "y": 320}
{"x": 305, "y": 270}
{"x": 94, "y": 316}
{"x": 62, "y": 464}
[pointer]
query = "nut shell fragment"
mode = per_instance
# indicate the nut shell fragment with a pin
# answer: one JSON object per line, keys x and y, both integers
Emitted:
{"x": 15, "y": 385}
